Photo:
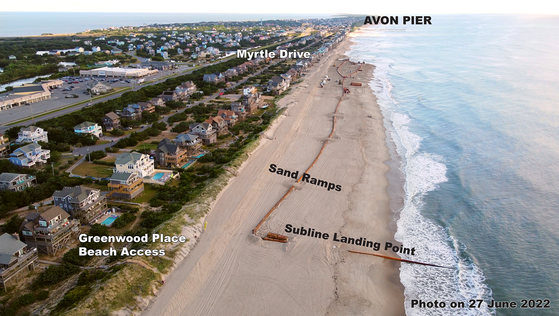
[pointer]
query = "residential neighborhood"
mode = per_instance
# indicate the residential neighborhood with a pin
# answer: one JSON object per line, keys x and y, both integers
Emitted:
{"x": 128, "y": 163}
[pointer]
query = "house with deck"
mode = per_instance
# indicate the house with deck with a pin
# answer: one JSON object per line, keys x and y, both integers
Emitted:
{"x": 50, "y": 230}
{"x": 16, "y": 260}
{"x": 29, "y": 155}
{"x": 157, "y": 101}
{"x": 31, "y": 134}
{"x": 16, "y": 181}
{"x": 134, "y": 162}
{"x": 4, "y": 145}
{"x": 125, "y": 185}
{"x": 218, "y": 124}
{"x": 132, "y": 112}
{"x": 82, "y": 203}
{"x": 205, "y": 131}
{"x": 88, "y": 128}
{"x": 111, "y": 121}
{"x": 228, "y": 116}
{"x": 191, "y": 142}
{"x": 170, "y": 155}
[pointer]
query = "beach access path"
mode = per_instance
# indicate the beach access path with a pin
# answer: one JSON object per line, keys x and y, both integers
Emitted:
{"x": 233, "y": 272}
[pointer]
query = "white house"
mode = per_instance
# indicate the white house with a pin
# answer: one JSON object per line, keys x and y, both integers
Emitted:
{"x": 134, "y": 162}
{"x": 32, "y": 134}
{"x": 29, "y": 155}
{"x": 88, "y": 128}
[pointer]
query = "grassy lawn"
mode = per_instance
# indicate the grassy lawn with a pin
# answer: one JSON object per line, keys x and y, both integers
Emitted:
{"x": 148, "y": 145}
{"x": 101, "y": 142}
{"x": 148, "y": 194}
{"x": 93, "y": 170}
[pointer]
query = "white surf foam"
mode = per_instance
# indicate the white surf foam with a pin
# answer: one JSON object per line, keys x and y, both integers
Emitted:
{"x": 423, "y": 173}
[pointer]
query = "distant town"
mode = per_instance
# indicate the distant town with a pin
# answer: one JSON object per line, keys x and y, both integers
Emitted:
{"x": 120, "y": 131}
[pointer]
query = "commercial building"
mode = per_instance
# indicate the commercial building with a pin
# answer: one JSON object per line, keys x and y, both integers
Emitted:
{"x": 117, "y": 72}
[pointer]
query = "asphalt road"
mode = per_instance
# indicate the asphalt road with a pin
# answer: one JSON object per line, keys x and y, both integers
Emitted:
{"x": 81, "y": 151}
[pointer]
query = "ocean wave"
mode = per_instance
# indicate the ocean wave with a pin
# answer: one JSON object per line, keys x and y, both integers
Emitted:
{"x": 423, "y": 172}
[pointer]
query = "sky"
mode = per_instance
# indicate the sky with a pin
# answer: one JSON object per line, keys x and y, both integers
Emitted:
{"x": 387, "y": 7}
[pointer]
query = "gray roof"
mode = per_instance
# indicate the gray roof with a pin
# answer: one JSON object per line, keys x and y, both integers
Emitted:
{"x": 31, "y": 129}
{"x": 84, "y": 124}
{"x": 112, "y": 116}
{"x": 187, "y": 137}
{"x": 167, "y": 146}
{"x": 78, "y": 193}
{"x": 8, "y": 246}
{"x": 125, "y": 158}
{"x": 121, "y": 176}
{"x": 8, "y": 177}
{"x": 53, "y": 212}
{"x": 29, "y": 147}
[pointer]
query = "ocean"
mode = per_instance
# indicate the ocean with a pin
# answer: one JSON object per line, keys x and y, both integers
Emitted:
{"x": 470, "y": 104}
{"x": 37, "y": 23}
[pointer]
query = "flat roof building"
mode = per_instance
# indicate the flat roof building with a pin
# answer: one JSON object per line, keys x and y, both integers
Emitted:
{"x": 117, "y": 72}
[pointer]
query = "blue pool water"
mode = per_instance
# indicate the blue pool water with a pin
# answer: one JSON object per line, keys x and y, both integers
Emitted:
{"x": 109, "y": 220}
{"x": 187, "y": 164}
{"x": 200, "y": 155}
{"x": 158, "y": 176}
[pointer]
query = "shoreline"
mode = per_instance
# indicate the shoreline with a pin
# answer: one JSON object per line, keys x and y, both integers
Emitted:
{"x": 214, "y": 266}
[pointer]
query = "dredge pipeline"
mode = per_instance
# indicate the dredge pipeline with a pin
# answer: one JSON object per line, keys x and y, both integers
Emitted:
{"x": 398, "y": 259}
{"x": 345, "y": 91}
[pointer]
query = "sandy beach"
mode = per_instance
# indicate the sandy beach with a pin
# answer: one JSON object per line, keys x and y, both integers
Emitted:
{"x": 233, "y": 272}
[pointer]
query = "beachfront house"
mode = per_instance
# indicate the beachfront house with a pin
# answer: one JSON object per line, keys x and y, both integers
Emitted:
{"x": 29, "y": 155}
{"x": 50, "y": 230}
{"x": 191, "y": 142}
{"x": 82, "y": 203}
{"x": 134, "y": 162}
{"x": 170, "y": 155}
{"x": 16, "y": 260}
{"x": 89, "y": 128}
{"x": 125, "y": 186}
{"x": 16, "y": 181}
{"x": 32, "y": 134}
{"x": 277, "y": 85}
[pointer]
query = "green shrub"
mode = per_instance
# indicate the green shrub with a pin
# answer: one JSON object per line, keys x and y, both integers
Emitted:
{"x": 72, "y": 297}
{"x": 43, "y": 295}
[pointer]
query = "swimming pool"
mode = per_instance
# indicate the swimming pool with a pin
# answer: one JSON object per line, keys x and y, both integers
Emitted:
{"x": 158, "y": 176}
{"x": 108, "y": 221}
{"x": 200, "y": 155}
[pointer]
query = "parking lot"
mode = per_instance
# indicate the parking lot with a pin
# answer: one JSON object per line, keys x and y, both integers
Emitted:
{"x": 59, "y": 100}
